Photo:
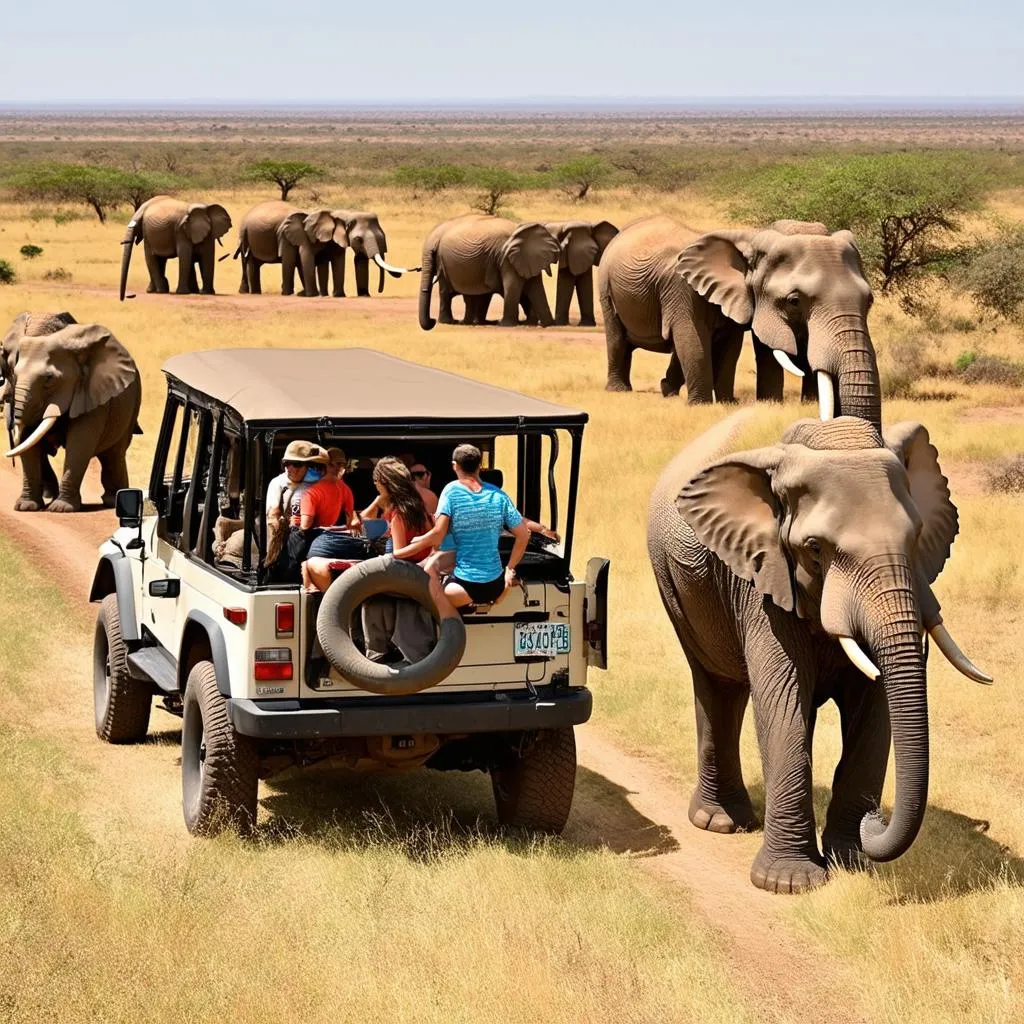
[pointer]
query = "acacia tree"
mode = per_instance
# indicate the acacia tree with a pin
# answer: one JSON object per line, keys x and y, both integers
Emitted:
{"x": 577, "y": 177}
{"x": 905, "y": 208}
{"x": 101, "y": 188}
{"x": 286, "y": 174}
{"x": 496, "y": 184}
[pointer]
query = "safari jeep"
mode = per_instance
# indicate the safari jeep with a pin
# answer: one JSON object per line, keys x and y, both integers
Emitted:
{"x": 266, "y": 675}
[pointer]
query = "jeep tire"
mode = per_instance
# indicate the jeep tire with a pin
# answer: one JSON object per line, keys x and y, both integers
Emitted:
{"x": 121, "y": 704}
{"x": 219, "y": 767}
{"x": 533, "y": 788}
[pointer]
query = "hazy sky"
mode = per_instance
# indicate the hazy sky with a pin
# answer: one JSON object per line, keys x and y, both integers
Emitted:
{"x": 342, "y": 51}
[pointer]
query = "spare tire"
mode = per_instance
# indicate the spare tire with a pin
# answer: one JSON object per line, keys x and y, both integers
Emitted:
{"x": 394, "y": 577}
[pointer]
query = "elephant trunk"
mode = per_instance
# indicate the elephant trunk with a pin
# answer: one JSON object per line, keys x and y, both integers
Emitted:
{"x": 891, "y": 627}
{"x": 842, "y": 353}
{"x": 426, "y": 289}
{"x": 126, "y": 259}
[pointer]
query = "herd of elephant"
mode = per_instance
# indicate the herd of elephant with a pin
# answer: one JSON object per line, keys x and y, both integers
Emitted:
{"x": 789, "y": 573}
{"x": 800, "y": 290}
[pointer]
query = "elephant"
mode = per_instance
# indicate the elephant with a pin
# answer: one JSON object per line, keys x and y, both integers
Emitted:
{"x": 478, "y": 255}
{"x": 582, "y": 243}
{"x": 74, "y": 385}
{"x": 803, "y": 294}
{"x": 789, "y": 572}
{"x": 171, "y": 228}
{"x": 314, "y": 243}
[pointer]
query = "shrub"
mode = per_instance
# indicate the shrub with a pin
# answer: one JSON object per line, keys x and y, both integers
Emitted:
{"x": 993, "y": 275}
{"x": 30, "y": 252}
{"x": 576, "y": 178}
{"x": 67, "y": 216}
{"x": 905, "y": 367}
{"x": 496, "y": 185}
{"x": 991, "y": 370}
{"x": 57, "y": 274}
{"x": 964, "y": 360}
{"x": 286, "y": 174}
{"x": 904, "y": 207}
{"x": 1008, "y": 476}
{"x": 431, "y": 178}
{"x": 7, "y": 274}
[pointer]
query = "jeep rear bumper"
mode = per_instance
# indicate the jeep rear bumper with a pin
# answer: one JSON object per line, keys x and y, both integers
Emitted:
{"x": 314, "y": 719}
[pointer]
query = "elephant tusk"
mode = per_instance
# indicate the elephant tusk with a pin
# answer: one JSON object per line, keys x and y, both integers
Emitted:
{"x": 384, "y": 265}
{"x": 34, "y": 438}
{"x": 956, "y": 657}
{"x": 786, "y": 363}
{"x": 826, "y": 397}
{"x": 860, "y": 660}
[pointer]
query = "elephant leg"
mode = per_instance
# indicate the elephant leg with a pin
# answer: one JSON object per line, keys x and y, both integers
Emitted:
{"x": 288, "y": 264}
{"x": 445, "y": 294}
{"x": 620, "y": 352}
{"x": 79, "y": 448}
{"x": 720, "y": 802}
{"x": 207, "y": 265}
{"x": 534, "y": 293}
{"x": 531, "y": 315}
{"x": 857, "y": 785}
{"x": 253, "y": 268}
{"x": 788, "y": 860}
{"x": 809, "y": 388}
{"x": 113, "y": 474}
{"x": 243, "y": 288}
{"x": 585, "y": 299}
{"x": 307, "y": 271}
{"x": 770, "y": 376}
{"x": 693, "y": 347}
{"x": 193, "y": 281}
{"x": 51, "y": 486}
{"x": 186, "y": 266}
{"x": 338, "y": 272}
{"x": 673, "y": 381}
{"x": 563, "y": 297}
{"x": 31, "y": 498}
{"x": 323, "y": 278}
{"x": 510, "y": 308}
{"x": 727, "y": 343}
{"x": 157, "y": 267}
{"x": 362, "y": 275}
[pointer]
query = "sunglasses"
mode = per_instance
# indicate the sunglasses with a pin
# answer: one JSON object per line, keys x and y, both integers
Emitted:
{"x": 418, "y": 474}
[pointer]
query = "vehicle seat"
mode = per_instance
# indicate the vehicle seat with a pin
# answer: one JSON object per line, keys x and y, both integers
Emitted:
{"x": 360, "y": 481}
{"x": 493, "y": 476}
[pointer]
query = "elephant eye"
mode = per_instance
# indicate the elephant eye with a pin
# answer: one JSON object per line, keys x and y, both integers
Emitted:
{"x": 793, "y": 300}
{"x": 813, "y": 544}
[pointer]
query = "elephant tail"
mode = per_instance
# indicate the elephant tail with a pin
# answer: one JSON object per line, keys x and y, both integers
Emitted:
{"x": 427, "y": 284}
{"x": 132, "y": 237}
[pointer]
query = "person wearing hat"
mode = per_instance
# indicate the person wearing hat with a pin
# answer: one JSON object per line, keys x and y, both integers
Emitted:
{"x": 329, "y": 502}
{"x": 303, "y": 463}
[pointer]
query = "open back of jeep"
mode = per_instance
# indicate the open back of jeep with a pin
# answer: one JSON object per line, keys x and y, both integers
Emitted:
{"x": 224, "y": 641}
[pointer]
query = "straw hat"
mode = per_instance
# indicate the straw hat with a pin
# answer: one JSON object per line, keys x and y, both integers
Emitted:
{"x": 304, "y": 451}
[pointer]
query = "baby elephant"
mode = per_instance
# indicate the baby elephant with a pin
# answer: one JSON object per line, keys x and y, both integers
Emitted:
{"x": 790, "y": 573}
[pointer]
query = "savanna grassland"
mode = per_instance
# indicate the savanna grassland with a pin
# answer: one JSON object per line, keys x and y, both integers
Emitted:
{"x": 395, "y": 896}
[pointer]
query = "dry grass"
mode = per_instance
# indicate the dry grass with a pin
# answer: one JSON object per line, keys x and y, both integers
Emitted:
{"x": 936, "y": 934}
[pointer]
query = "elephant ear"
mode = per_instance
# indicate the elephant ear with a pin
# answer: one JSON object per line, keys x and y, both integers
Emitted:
{"x": 530, "y": 249}
{"x": 107, "y": 368}
{"x": 716, "y": 266}
{"x": 733, "y": 512}
{"x": 579, "y": 251}
{"x": 220, "y": 219}
{"x": 14, "y": 334}
{"x": 195, "y": 223}
{"x": 604, "y": 232}
{"x": 293, "y": 230}
{"x": 930, "y": 490}
{"x": 319, "y": 226}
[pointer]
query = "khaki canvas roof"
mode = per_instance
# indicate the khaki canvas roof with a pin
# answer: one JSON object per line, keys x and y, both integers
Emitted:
{"x": 279, "y": 384}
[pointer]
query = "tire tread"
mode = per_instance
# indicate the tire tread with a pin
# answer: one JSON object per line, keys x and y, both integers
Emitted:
{"x": 127, "y": 715}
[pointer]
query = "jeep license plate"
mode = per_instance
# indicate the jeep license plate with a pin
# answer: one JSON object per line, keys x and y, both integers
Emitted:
{"x": 541, "y": 639}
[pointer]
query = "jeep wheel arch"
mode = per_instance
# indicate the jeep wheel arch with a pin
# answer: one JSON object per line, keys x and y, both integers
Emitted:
{"x": 379, "y": 577}
{"x": 202, "y": 640}
{"x": 114, "y": 576}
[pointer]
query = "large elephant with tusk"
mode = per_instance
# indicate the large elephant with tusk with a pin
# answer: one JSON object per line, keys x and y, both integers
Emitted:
{"x": 801, "y": 291}
{"x": 312, "y": 243}
{"x": 72, "y": 385}
{"x": 169, "y": 228}
{"x": 794, "y": 574}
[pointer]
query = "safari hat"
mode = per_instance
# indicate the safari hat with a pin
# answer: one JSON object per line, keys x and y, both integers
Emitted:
{"x": 304, "y": 451}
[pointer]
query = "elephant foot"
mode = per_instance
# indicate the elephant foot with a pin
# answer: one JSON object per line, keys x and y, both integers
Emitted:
{"x": 243, "y": 290}
{"x": 446, "y": 319}
{"x": 668, "y": 389}
{"x": 589, "y": 322}
{"x": 183, "y": 291}
{"x": 61, "y": 505}
{"x": 362, "y": 295}
{"x": 561, "y": 321}
{"x": 24, "y": 504}
{"x": 150, "y": 289}
{"x": 731, "y": 815}
{"x": 309, "y": 295}
{"x": 508, "y": 322}
{"x": 844, "y": 851}
{"x": 617, "y": 385}
{"x": 338, "y": 295}
{"x": 207, "y": 291}
{"x": 786, "y": 873}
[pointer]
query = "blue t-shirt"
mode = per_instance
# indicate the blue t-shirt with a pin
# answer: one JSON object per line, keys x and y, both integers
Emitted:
{"x": 476, "y": 521}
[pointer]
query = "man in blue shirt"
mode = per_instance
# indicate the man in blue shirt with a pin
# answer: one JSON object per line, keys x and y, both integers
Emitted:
{"x": 474, "y": 513}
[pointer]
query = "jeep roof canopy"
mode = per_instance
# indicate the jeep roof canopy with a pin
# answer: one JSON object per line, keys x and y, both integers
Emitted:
{"x": 279, "y": 386}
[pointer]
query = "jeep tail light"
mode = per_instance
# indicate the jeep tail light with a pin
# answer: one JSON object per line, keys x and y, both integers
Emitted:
{"x": 284, "y": 619}
{"x": 237, "y": 616}
{"x": 272, "y": 663}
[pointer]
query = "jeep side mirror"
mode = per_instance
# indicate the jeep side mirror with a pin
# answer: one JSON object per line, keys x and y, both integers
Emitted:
{"x": 128, "y": 506}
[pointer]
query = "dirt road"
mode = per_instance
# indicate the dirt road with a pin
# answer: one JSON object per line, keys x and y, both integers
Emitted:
{"x": 783, "y": 974}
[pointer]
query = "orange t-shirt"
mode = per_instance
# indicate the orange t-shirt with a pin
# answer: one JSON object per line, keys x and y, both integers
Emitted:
{"x": 326, "y": 500}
